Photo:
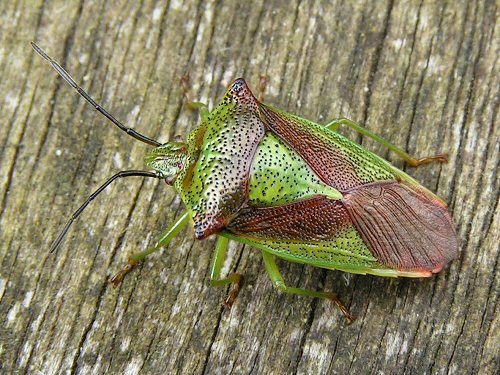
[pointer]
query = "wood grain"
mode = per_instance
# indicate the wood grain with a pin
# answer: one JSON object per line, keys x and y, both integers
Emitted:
{"x": 423, "y": 74}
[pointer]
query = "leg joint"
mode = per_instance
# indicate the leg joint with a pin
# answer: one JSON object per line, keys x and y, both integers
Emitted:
{"x": 279, "y": 285}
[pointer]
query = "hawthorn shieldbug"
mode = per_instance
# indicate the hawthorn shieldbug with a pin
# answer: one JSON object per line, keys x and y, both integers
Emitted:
{"x": 293, "y": 189}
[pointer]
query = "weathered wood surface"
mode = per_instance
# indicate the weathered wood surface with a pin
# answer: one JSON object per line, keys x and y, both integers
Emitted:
{"x": 423, "y": 74}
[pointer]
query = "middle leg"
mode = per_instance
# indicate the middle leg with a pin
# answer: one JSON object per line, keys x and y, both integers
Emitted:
{"x": 234, "y": 279}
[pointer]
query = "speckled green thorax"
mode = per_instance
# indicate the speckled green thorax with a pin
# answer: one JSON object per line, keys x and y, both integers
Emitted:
{"x": 280, "y": 176}
{"x": 220, "y": 152}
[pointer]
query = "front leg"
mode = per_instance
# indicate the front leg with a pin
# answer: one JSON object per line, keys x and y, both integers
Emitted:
{"x": 234, "y": 279}
{"x": 135, "y": 259}
{"x": 191, "y": 104}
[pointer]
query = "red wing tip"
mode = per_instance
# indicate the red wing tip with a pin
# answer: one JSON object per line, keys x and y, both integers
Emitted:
{"x": 420, "y": 273}
{"x": 437, "y": 269}
{"x": 417, "y": 273}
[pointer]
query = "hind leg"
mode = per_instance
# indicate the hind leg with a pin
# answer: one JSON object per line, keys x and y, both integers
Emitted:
{"x": 414, "y": 162}
{"x": 279, "y": 283}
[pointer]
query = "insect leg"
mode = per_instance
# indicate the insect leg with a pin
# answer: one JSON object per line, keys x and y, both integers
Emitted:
{"x": 414, "y": 162}
{"x": 263, "y": 80}
{"x": 234, "y": 279}
{"x": 279, "y": 283}
{"x": 191, "y": 104}
{"x": 164, "y": 240}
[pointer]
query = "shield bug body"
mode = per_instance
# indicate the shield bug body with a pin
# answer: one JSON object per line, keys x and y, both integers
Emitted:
{"x": 295, "y": 190}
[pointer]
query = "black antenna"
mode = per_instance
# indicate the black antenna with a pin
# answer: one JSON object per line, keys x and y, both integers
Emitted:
{"x": 77, "y": 213}
{"x": 63, "y": 73}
